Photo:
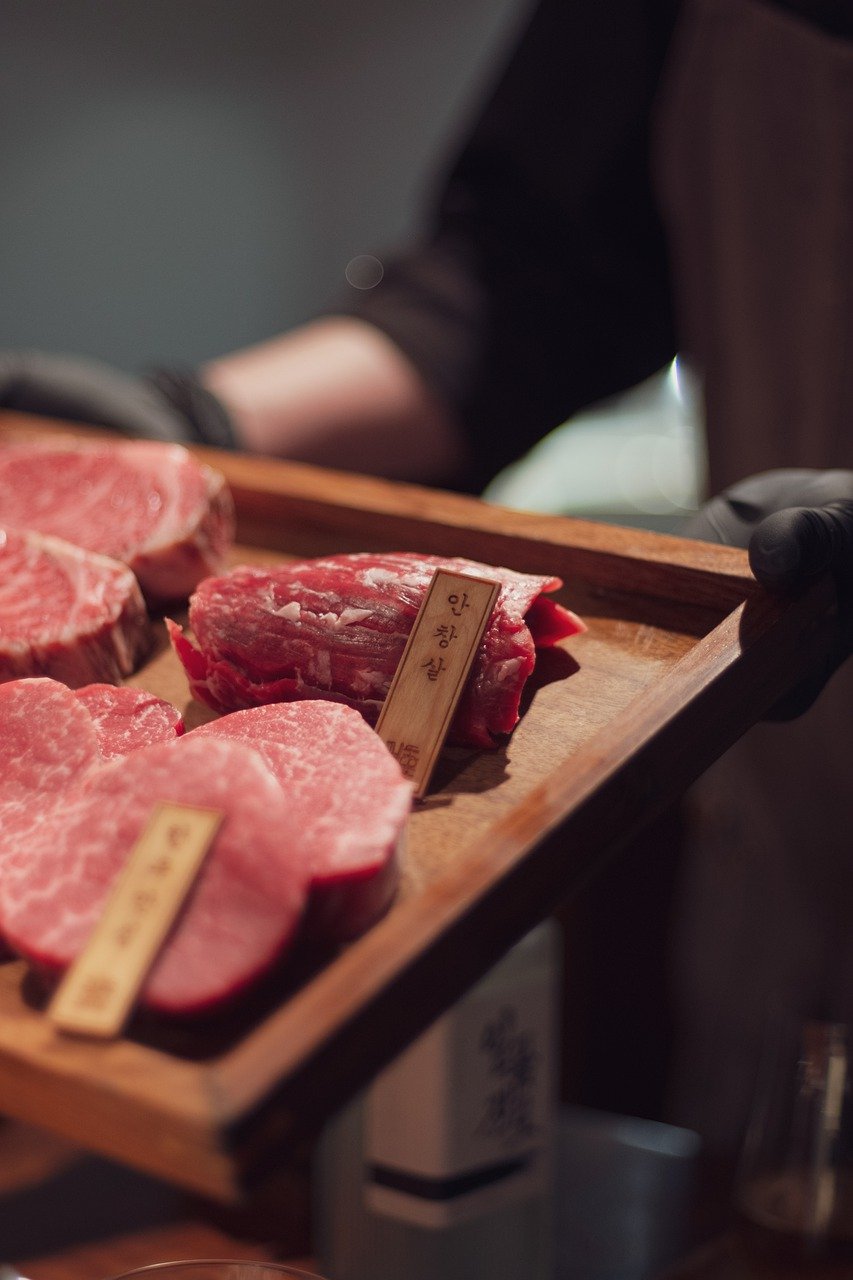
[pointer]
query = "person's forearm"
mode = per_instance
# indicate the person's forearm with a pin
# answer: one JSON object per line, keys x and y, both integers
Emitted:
{"x": 339, "y": 393}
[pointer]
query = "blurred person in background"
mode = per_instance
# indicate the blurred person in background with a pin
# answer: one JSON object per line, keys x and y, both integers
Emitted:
{"x": 647, "y": 178}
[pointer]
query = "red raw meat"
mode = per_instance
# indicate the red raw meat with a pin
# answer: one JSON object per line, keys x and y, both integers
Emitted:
{"x": 67, "y": 613}
{"x": 150, "y": 505}
{"x": 47, "y": 744}
{"x": 244, "y": 909}
{"x": 51, "y": 737}
{"x": 335, "y": 628}
{"x": 47, "y": 741}
{"x": 348, "y": 797}
{"x": 126, "y": 718}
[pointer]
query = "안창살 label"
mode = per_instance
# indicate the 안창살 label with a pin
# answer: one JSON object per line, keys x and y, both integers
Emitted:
{"x": 431, "y": 675}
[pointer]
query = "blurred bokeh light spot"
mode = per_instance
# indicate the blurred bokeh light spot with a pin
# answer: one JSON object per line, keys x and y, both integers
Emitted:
{"x": 364, "y": 272}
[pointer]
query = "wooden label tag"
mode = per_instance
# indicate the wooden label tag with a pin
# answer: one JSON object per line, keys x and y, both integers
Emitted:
{"x": 431, "y": 675}
{"x": 97, "y": 993}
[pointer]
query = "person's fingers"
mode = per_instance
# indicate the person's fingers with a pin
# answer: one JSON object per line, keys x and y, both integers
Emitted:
{"x": 791, "y": 547}
{"x": 730, "y": 517}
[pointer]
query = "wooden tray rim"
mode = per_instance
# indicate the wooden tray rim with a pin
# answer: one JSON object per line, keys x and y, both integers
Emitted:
{"x": 208, "y": 1104}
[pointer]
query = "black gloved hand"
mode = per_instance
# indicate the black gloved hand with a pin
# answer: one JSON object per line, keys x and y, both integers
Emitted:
{"x": 797, "y": 526}
{"x": 161, "y": 405}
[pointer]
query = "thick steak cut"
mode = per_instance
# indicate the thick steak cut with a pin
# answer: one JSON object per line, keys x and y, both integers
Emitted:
{"x": 51, "y": 737}
{"x": 67, "y": 613}
{"x": 348, "y": 797}
{"x": 148, "y": 504}
{"x": 47, "y": 740}
{"x": 126, "y": 718}
{"x": 244, "y": 909}
{"x": 335, "y": 628}
{"x": 47, "y": 744}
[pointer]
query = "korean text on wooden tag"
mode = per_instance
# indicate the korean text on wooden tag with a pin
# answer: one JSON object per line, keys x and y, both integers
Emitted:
{"x": 98, "y": 992}
{"x": 431, "y": 675}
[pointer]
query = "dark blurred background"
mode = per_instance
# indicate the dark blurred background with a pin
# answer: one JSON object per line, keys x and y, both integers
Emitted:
{"x": 181, "y": 177}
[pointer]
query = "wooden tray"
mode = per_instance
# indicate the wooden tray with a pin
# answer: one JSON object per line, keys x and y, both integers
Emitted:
{"x": 683, "y": 653}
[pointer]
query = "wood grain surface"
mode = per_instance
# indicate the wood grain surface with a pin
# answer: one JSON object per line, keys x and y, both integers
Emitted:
{"x": 68, "y": 1215}
{"x": 682, "y": 654}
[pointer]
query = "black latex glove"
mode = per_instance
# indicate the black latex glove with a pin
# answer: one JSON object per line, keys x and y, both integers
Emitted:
{"x": 797, "y": 525}
{"x": 162, "y": 405}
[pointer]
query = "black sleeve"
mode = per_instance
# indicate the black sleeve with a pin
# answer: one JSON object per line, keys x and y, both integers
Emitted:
{"x": 543, "y": 284}
{"x": 835, "y": 17}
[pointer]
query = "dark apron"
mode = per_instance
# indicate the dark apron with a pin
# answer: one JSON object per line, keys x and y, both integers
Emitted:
{"x": 755, "y": 171}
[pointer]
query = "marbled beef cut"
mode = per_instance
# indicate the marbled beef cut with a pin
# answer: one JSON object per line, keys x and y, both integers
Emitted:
{"x": 52, "y": 736}
{"x": 47, "y": 743}
{"x": 244, "y": 909}
{"x": 348, "y": 796}
{"x": 126, "y": 718}
{"x": 150, "y": 505}
{"x": 335, "y": 628}
{"x": 67, "y": 613}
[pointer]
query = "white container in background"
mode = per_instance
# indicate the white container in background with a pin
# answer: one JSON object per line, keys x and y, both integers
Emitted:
{"x": 443, "y": 1168}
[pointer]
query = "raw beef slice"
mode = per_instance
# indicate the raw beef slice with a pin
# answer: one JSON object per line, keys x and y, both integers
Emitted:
{"x": 244, "y": 909}
{"x": 335, "y": 628}
{"x": 51, "y": 737}
{"x": 126, "y": 718}
{"x": 47, "y": 744}
{"x": 67, "y": 613}
{"x": 47, "y": 740}
{"x": 148, "y": 504}
{"x": 348, "y": 797}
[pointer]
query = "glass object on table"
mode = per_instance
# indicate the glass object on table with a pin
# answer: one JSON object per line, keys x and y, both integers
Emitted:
{"x": 217, "y": 1269}
{"x": 794, "y": 1187}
